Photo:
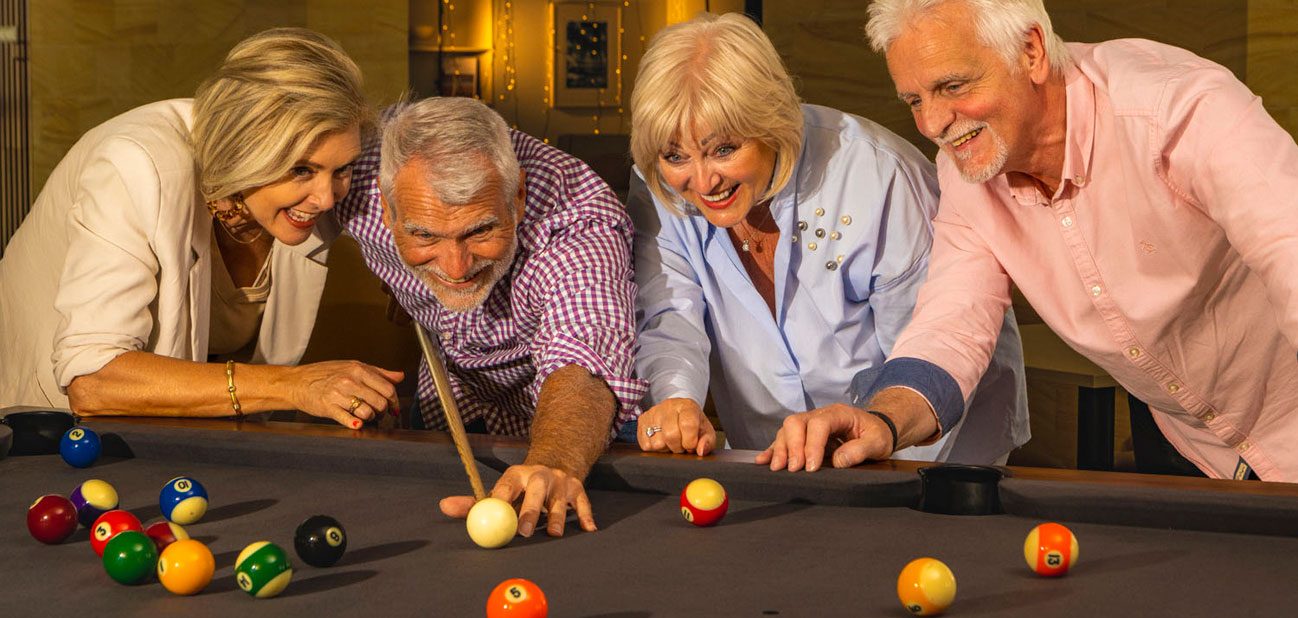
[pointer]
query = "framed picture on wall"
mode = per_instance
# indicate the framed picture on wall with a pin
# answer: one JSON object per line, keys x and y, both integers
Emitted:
{"x": 587, "y": 54}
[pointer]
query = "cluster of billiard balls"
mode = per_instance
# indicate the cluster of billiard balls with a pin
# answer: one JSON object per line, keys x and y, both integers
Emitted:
{"x": 926, "y": 586}
{"x": 131, "y": 553}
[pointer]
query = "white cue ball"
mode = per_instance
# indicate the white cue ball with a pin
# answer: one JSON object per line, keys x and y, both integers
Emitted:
{"x": 492, "y": 523}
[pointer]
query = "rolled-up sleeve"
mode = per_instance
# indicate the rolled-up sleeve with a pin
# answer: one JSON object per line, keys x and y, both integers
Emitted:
{"x": 587, "y": 310}
{"x": 110, "y": 277}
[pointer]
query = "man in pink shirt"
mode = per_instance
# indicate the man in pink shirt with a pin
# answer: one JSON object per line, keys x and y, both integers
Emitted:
{"x": 1143, "y": 201}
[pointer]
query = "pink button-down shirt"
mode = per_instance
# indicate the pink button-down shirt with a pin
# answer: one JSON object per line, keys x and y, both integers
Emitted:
{"x": 1168, "y": 255}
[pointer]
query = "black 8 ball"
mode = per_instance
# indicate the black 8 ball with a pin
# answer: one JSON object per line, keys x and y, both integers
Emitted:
{"x": 320, "y": 541}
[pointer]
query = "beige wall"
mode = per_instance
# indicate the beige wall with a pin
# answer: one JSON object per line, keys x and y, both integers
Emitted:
{"x": 93, "y": 59}
{"x": 824, "y": 45}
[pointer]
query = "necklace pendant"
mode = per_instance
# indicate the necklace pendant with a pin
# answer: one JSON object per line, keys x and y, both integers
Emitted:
{"x": 744, "y": 247}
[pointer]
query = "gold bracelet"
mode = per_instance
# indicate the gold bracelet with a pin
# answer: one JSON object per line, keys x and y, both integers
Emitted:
{"x": 229, "y": 380}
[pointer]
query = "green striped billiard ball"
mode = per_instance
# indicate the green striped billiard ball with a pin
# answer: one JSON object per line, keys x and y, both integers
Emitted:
{"x": 263, "y": 570}
{"x": 130, "y": 557}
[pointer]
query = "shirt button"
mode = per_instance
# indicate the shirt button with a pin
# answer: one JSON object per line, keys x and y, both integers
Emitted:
{"x": 820, "y": 212}
{"x": 1079, "y": 179}
{"x": 1173, "y": 388}
{"x": 1242, "y": 446}
{"x": 1133, "y": 352}
{"x": 1096, "y": 290}
{"x": 1067, "y": 221}
{"x": 1209, "y": 416}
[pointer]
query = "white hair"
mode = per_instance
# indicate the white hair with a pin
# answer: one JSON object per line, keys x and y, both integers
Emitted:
{"x": 457, "y": 137}
{"x": 1001, "y": 25}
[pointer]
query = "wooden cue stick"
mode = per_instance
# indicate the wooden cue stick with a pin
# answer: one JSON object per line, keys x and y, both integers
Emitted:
{"x": 453, "y": 420}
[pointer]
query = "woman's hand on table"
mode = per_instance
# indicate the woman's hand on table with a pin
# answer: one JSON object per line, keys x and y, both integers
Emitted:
{"x": 349, "y": 392}
{"x": 677, "y": 425}
{"x": 540, "y": 488}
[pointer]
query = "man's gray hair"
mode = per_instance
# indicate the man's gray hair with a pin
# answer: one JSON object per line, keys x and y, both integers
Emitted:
{"x": 1001, "y": 25}
{"x": 457, "y": 137}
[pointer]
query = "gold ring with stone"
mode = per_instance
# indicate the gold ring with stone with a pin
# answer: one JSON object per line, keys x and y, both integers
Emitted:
{"x": 356, "y": 403}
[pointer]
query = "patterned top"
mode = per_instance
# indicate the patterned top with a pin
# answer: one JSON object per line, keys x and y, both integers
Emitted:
{"x": 568, "y": 298}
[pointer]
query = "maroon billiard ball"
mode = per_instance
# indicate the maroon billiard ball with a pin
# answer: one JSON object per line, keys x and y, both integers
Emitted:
{"x": 52, "y": 519}
{"x": 109, "y": 525}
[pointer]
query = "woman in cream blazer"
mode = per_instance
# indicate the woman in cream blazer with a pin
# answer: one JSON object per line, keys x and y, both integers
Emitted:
{"x": 190, "y": 231}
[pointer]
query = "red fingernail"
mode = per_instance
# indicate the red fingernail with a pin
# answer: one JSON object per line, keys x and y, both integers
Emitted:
{"x": 356, "y": 424}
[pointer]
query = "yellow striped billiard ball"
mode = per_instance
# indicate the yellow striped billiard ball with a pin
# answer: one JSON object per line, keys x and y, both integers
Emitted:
{"x": 926, "y": 587}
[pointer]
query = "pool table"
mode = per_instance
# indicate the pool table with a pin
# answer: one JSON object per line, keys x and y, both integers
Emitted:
{"x": 829, "y": 543}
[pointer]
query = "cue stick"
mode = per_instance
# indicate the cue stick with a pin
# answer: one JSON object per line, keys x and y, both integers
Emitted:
{"x": 453, "y": 420}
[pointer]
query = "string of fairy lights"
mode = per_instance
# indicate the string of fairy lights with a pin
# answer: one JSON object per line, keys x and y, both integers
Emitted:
{"x": 510, "y": 96}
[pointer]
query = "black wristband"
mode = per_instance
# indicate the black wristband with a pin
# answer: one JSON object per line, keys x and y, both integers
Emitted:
{"x": 892, "y": 428}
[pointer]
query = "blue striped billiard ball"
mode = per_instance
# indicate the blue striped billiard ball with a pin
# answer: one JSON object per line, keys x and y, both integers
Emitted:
{"x": 183, "y": 500}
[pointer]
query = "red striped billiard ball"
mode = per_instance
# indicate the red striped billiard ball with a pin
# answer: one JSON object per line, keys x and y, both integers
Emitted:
{"x": 704, "y": 502}
{"x": 1050, "y": 550}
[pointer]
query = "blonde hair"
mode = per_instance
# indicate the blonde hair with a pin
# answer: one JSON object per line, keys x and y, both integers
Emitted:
{"x": 1001, "y": 25}
{"x": 720, "y": 71}
{"x": 273, "y": 98}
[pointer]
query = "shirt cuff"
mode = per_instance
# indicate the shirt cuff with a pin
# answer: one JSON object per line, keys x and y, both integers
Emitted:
{"x": 933, "y": 383}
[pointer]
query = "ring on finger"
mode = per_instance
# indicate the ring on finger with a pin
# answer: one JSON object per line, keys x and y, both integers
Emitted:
{"x": 651, "y": 430}
{"x": 356, "y": 403}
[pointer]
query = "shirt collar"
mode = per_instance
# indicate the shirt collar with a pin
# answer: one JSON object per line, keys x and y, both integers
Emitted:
{"x": 1079, "y": 142}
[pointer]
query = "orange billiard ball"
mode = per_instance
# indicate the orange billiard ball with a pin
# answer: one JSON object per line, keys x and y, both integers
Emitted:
{"x": 704, "y": 502}
{"x": 1050, "y": 550}
{"x": 517, "y": 598}
{"x": 926, "y": 587}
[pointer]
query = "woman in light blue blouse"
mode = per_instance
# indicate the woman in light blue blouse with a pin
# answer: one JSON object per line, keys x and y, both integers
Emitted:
{"x": 779, "y": 250}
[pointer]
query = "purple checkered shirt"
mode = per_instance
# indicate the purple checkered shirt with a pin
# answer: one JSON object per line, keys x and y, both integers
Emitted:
{"x": 568, "y": 299}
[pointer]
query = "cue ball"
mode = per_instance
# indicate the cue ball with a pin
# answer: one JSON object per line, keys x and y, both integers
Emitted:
{"x": 186, "y": 567}
{"x": 52, "y": 519}
{"x": 1050, "y": 550}
{"x": 926, "y": 587}
{"x": 320, "y": 541}
{"x": 704, "y": 502}
{"x": 517, "y": 598}
{"x": 492, "y": 523}
{"x": 80, "y": 447}
{"x": 183, "y": 500}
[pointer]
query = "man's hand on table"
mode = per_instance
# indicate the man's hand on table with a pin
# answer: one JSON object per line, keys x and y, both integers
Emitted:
{"x": 853, "y": 435}
{"x": 538, "y": 487}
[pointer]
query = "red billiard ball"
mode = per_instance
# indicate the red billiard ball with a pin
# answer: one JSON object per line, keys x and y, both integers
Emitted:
{"x": 704, "y": 502}
{"x": 109, "y": 525}
{"x": 52, "y": 519}
{"x": 517, "y": 598}
{"x": 1050, "y": 550}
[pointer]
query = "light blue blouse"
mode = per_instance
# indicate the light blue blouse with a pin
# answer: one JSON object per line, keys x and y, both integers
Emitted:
{"x": 855, "y": 233}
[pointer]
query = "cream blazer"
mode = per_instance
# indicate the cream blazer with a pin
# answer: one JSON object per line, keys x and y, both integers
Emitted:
{"x": 115, "y": 256}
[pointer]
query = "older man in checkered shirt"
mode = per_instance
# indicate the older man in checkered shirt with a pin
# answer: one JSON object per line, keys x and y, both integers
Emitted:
{"x": 517, "y": 257}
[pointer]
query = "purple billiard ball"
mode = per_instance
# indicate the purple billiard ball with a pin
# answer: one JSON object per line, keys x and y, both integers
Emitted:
{"x": 92, "y": 499}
